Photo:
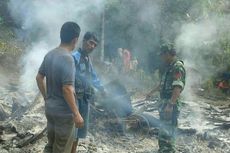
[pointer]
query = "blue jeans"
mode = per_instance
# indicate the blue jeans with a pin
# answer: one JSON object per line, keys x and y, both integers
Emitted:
{"x": 83, "y": 106}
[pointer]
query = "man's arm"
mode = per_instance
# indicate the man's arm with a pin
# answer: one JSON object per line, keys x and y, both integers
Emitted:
{"x": 178, "y": 82}
{"x": 95, "y": 80}
{"x": 41, "y": 84}
{"x": 68, "y": 77}
{"x": 68, "y": 93}
{"x": 175, "y": 94}
{"x": 178, "y": 85}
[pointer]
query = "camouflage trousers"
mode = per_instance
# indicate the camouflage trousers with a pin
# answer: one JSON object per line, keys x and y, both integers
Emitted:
{"x": 167, "y": 131}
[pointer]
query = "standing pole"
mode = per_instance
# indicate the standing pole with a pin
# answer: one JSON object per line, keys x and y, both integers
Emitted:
{"x": 102, "y": 35}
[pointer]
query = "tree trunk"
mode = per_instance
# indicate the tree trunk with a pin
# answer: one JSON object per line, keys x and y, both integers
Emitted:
{"x": 102, "y": 35}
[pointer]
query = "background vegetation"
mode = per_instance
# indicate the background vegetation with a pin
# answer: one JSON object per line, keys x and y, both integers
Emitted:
{"x": 142, "y": 26}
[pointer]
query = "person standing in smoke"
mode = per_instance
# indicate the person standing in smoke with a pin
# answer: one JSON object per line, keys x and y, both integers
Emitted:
{"x": 86, "y": 79}
{"x": 123, "y": 60}
{"x": 171, "y": 85}
{"x": 119, "y": 60}
{"x": 55, "y": 80}
{"x": 126, "y": 60}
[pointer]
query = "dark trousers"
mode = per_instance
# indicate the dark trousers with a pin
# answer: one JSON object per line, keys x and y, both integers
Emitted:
{"x": 60, "y": 133}
{"x": 167, "y": 130}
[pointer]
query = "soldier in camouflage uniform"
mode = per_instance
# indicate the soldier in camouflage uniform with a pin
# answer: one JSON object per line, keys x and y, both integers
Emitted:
{"x": 171, "y": 85}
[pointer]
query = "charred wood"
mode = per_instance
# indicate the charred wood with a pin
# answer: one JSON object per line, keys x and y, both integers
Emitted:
{"x": 18, "y": 111}
{"x": 31, "y": 138}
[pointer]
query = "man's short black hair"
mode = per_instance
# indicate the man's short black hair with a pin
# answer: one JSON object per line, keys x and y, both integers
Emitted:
{"x": 69, "y": 31}
{"x": 90, "y": 35}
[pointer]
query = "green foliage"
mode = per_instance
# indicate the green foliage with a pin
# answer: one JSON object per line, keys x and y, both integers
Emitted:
{"x": 134, "y": 25}
{"x": 131, "y": 24}
{"x": 8, "y": 45}
{"x": 9, "y": 49}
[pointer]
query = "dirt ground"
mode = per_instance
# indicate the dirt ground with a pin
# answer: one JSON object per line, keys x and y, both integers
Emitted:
{"x": 103, "y": 136}
{"x": 204, "y": 122}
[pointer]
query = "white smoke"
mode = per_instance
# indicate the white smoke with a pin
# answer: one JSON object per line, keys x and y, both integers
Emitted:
{"x": 194, "y": 36}
{"x": 41, "y": 21}
{"x": 197, "y": 41}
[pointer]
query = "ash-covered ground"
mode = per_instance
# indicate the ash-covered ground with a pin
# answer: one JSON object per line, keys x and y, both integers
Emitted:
{"x": 203, "y": 125}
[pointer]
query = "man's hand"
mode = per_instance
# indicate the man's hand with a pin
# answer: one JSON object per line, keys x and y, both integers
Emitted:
{"x": 68, "y": 93}
{"x": 78, "y": 120}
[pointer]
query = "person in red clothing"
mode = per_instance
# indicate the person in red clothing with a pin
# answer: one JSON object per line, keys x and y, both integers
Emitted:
{"x": 126, "y": 60}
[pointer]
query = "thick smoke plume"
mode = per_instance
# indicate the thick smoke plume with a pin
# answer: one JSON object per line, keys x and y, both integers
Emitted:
{"x": 40, "y": 22}
{"x": 198, "y": 42}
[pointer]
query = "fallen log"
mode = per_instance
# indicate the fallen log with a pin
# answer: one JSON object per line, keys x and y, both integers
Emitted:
{"x": 31, "y": 138}
{"x": 19, "y": 112}
{"x": 7, "y": 132}
{"x": 225, "y": 126}
{"x": 188, "y": 131}
{"x": 225, "y": 107}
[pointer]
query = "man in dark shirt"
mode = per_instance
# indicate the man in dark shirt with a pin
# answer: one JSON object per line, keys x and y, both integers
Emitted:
{"x": 58, "y": 91}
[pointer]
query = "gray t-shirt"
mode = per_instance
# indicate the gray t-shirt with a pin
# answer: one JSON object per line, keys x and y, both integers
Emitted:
{"x": 59, "y": 69}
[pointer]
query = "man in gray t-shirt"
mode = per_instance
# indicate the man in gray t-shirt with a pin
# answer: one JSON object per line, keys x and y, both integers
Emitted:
{"x": 55, "y": 80}
{"x": 57, "y": 74}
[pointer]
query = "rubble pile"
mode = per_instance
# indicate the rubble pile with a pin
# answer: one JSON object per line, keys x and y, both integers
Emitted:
{"x": 204, "y": 125}
{"x": 24, "y": 119}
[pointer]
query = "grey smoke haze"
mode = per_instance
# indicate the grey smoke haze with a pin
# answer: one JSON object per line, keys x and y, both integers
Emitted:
{"x": 134, "y": 25}
{"x": 192, "y": 44}
{"x": 41, "y": 21}
{"x": 140, "y": 23}
{"x": 197, "y": 41}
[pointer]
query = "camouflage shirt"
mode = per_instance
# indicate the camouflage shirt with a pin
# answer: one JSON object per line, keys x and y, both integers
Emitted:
{"x": 174, "y": 75}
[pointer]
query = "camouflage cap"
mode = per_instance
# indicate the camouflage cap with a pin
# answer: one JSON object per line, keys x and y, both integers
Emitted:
{"x": 167, "y": 48}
